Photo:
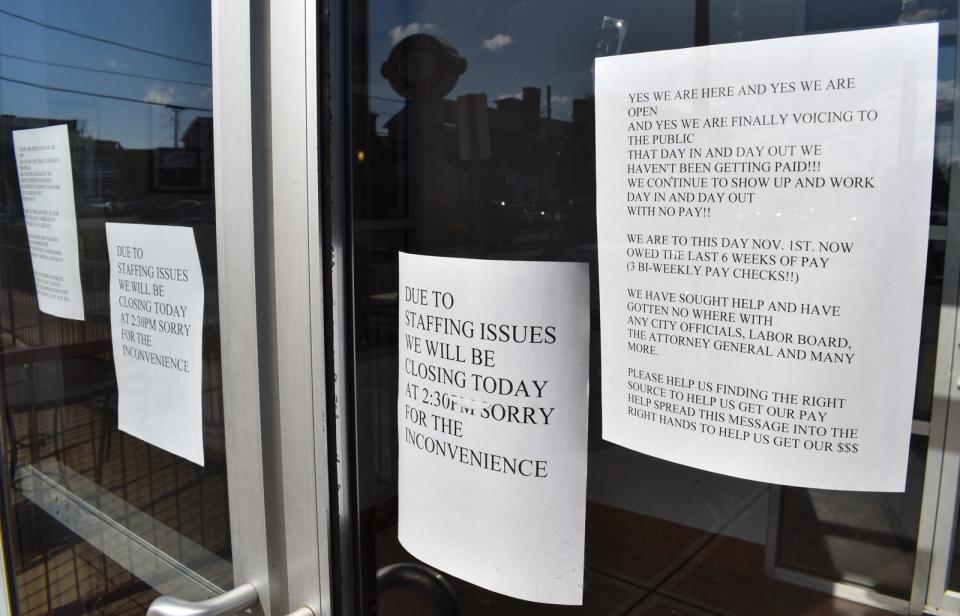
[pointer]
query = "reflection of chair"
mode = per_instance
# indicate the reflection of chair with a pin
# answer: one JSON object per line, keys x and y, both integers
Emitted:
{"x": 54, "y": 377}
{"x": 422, "y": 578}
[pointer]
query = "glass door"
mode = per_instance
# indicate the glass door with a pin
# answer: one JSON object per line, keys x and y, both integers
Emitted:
{"x": 130, "y": 468}
{"x": 470, "y": 133}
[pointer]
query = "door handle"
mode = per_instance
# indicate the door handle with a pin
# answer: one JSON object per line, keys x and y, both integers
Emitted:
{"x": 422, "y": 578}
{"x": 240, "y": 598}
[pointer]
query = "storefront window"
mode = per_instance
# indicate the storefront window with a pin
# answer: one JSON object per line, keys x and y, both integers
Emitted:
{"x": 96, "y": 520}
{"x": 660, "y": 538}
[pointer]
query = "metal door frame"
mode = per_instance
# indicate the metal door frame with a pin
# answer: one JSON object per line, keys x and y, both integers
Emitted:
{"x": 232, "y": 89}
{"x": 272, "y": 244}
{"x": 267, "y": 178}
{"x": 940, "y": 504}
{"x": 291, "y": 270}
{"x": 234, "y": 84}
{"x": 270, "y": 287}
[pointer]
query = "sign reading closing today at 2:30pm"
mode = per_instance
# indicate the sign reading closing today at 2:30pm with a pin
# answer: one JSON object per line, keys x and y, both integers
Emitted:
{"x": 763, "y": 211}
{"x": 156, "y": 322}
{"x": 492, "y": 422}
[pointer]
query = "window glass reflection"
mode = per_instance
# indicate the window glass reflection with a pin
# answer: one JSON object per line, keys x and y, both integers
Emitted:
{"x": 131, "y": 82}
{"x": 498, "y": 163}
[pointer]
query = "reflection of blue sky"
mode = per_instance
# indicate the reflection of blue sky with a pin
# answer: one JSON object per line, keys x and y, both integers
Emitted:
{"x": 509, "y": 45}
{"x": 174, "y": 27}
{"x": 553, "y": 42}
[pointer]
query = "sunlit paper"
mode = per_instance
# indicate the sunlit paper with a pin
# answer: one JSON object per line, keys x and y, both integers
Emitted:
{"x": 156, "y": 322}
{"x": 728, "y": 342}
{"x": 518, "y": 532}
{"x": 46, "y": 189}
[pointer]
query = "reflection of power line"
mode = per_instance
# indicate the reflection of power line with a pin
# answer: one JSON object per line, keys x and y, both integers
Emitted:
{"x": 103, "y": 70}
{"x": 103, "y": 40}
{"x": 98, "y": 95}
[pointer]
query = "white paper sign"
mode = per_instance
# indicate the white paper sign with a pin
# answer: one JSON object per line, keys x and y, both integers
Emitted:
{"x": 46, "y": 187}
{"x": 492, "y": 422}
{"x": 156, "y": 322}
{"x": 762, "y": 212}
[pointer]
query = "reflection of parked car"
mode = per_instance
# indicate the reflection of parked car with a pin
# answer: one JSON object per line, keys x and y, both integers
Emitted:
{"x": 192, "y": 211}
{"x": 94, "y": 207}
{"x": 120, "y": 206}
{"x": 182, "y": 211}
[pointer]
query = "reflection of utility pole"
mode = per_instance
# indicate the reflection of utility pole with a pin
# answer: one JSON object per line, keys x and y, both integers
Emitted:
{"x": 177, "y": 110}
{"x": 550, "y": 118}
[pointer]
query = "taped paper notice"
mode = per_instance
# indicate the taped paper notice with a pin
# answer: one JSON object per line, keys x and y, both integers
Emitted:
{"x": 763, "y": 211}
{"x": 156, "y": 321}
{"x": 46, "y": 187}
{"x": 492, "y": 422}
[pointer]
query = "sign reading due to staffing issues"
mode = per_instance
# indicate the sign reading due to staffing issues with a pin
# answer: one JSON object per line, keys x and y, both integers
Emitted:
{"x": 492, "y": 422}
{"x": 156, "y": 322}
{"x": 763, "y": 213}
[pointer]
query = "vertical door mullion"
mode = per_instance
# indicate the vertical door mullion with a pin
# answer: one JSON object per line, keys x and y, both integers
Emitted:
{"x": 938, "y": 508}
{"x": 298, "y": 296}
{"x": 234, "y": 158}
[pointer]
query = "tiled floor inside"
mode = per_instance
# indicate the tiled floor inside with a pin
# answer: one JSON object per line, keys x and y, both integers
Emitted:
{"x": 656, "y": 551}
{"x": 686, "y": 543}
{"x": 659, "y": 569}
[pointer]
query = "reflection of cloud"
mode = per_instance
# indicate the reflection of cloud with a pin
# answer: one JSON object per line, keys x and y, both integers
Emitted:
{"x": 562, "y": 105}
{"x": 398, "y": 33}
{"x": 506, "y": 96}
{"x": 159, "y": 95}
{"x": 497, "y": 41}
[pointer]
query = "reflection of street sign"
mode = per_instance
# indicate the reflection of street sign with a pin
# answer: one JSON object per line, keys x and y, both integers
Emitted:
{"x": 177, "y": 169}
{"x": 473, "y": 126}
{"x": 612, "y": 33}
{"x": 178, "y": 159}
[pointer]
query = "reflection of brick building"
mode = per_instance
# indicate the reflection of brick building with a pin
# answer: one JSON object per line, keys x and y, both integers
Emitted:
{"x": 530, "y": 176}
{"x": 199, "y": 138}
{"x": 188, "y": 168}
{"x": 527, "y": 150}
{"x": 59, "y": 402}
{"x": 97, "y": 163}
{"x": 9, "y": 187}
{"x": 110, "y": 183}
{"x": 104, "y": 171}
